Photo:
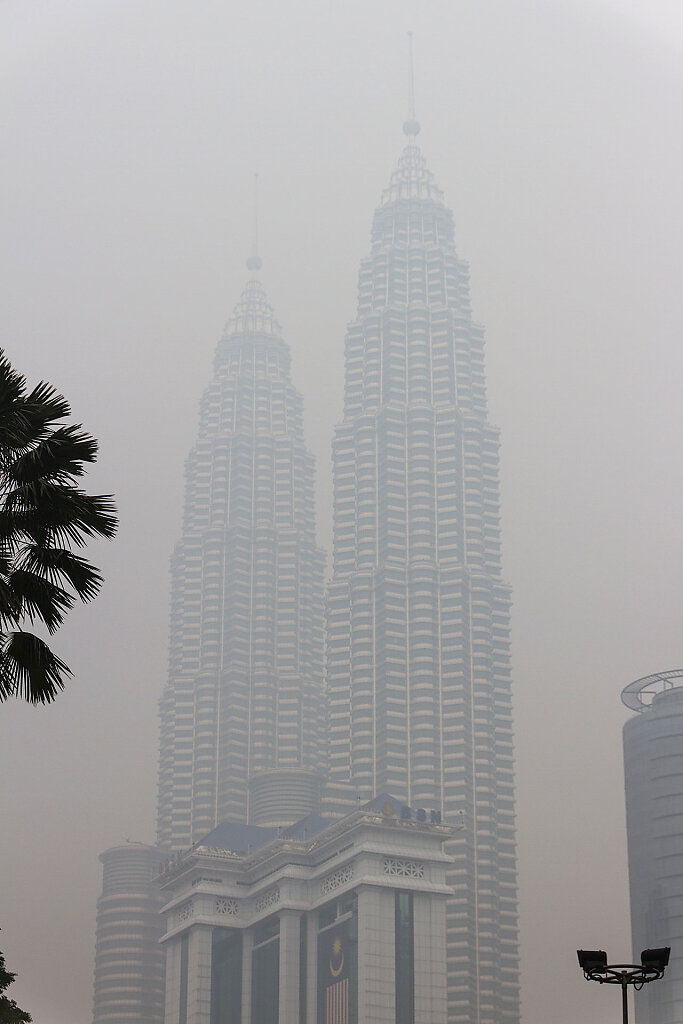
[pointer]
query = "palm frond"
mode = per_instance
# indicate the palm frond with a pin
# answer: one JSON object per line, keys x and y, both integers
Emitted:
{"x": 59, "y": 565}
{"x": 58, "y": 458}
{"x": 42, "y": 409}
{"x": 10, "y": 604}
{"x": 48, "y": 402}
{"x": 15, "y": 525}
{"x": 26, "y": 419}
{"x": 61, "y": 513}
{"x": 12, "y": 386}
{"x": 29, "y": 670}
{"x": 40, "y": 598}
{"x": 43, "y": 516}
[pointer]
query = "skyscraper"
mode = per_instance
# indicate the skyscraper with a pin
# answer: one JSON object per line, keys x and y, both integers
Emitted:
{"x": 242, "y": 715}
{"x": 418, "y": 614}
{"x": 653, "y": 772}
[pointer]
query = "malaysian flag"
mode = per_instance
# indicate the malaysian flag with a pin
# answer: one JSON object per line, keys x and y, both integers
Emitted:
{"x": 337, "y": 1003}
{"x": 336, "y": 984}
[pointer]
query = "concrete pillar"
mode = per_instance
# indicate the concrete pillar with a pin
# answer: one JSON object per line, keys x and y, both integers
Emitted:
{"x": 376, "y": 956}
{"x": 290, "y": 944}
{"x": 172, "y": 1013}
{"x": 429, "y": 930}
{"x": 312, "y": 968}
{"x": 199, "y": 975}
{"x": 247, "y": 950}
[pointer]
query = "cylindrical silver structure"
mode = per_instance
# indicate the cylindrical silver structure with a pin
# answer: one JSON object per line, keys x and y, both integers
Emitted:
{"x": 283, "y": 795}
{"x": 653, "y": 768}
{"x": 129, "y": 962}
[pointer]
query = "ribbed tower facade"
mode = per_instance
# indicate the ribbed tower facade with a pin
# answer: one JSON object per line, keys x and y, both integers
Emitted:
{"x": 653, "y": 776}
{"x": 242, "y": 715}
{"x": 418, "y": 614}
{"x": 129, "y": 962}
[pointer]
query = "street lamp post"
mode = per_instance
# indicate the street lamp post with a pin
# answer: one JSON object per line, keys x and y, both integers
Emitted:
{"x": 593, "y": 963}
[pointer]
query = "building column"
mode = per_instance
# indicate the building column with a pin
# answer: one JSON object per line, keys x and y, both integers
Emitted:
{"x": 199, "y": 975}
{"x": 247, "y": 951}
{"x": 376, "y": 956}
{"x": 290, "y": 945}
{"x": 429, "y": 933}
{"x": 172, "y": 1012}
{"x": 312, "y": 968}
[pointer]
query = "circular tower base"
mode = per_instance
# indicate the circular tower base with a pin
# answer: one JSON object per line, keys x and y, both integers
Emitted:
{"x": 280, "y": 797}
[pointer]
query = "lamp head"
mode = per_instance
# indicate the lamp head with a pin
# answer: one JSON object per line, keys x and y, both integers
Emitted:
{"x": 591, "y": 959}
{"x": 656, "y": 959}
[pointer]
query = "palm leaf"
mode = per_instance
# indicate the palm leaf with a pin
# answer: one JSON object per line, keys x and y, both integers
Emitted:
{"x": 58, "y": 458}
{"x": 40, "y": 598}
{"x": 29, "y": 670}
{"x": 62, "y": 514}
{"x": 12, "y": 388}
{"x": 59, "y": 565}
{"x": 43, "y": 516}
{"x": 10, "y": 605}
{"x": 25, "y": 419}
{"x": 40, "y": 410}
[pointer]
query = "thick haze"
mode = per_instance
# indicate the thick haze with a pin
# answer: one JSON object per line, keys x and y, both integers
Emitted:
{"x": 132, "y": 132}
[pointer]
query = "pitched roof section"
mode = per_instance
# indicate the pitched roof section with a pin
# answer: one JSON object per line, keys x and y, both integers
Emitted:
{"x": 238, "y": 838}
{"x": 308, "y": 827}
{"x": 382, "y": 803}
{"x": 411, "y": 179}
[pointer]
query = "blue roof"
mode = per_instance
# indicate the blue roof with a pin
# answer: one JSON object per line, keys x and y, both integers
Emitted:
{"x": 240, "y": 838}
{"x": 378, "y": 803}
{"x": 307, "y": 827}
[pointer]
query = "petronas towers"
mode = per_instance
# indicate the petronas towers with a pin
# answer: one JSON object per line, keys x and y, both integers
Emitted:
{"x": 418, "y": 661}
{"x": 415, "y": 700}
{"x": 242, "y": 715}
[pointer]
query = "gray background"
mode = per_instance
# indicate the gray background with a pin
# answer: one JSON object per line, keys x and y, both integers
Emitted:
{"x": 132, "y": 132}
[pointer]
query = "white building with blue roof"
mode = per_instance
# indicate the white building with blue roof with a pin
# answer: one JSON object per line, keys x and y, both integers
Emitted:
{"x": 327, "y": 922}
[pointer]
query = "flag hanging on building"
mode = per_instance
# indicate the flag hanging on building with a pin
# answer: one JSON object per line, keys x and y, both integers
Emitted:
{"x": 334, "y": 954}
{"x": 337, "y": 1003}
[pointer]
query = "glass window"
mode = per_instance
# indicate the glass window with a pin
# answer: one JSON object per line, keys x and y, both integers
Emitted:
{"x": 226, "y": 976}
{"x": 405, "y": 959}
{"x": 184, "y": 957}
{"x": 265, "y": 982}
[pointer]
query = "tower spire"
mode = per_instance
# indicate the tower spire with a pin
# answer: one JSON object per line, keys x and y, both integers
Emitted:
{"x": 411, "y": 108}
{"x": 411, "y": 127}
{"x": 255, "y": 262}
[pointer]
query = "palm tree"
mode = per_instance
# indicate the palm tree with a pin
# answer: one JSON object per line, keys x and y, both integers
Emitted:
{"x": 44, "y": 515}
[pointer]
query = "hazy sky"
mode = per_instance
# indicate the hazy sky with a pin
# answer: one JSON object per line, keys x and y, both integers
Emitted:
{"x": 132, "y": 132}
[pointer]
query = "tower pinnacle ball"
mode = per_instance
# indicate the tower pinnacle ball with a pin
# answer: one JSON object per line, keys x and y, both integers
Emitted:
{"x": 411, "y": 127}
{"x": 254, "y": 263}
